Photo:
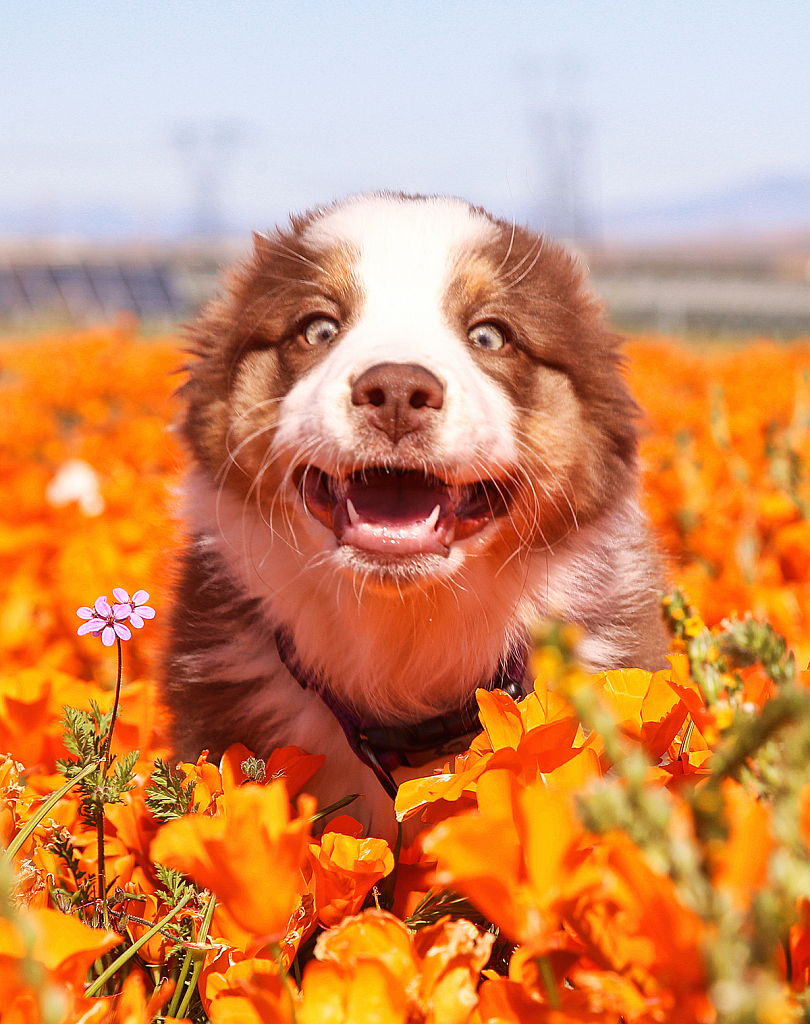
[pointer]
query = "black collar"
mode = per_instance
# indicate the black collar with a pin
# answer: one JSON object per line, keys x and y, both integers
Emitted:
{"x": 385, "y": 748}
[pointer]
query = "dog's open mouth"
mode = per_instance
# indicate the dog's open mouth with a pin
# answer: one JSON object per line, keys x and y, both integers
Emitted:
{"x": 399, "y": 512}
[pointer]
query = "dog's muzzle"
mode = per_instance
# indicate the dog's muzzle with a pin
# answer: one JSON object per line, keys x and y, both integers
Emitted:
{"x": 400, "y": 512}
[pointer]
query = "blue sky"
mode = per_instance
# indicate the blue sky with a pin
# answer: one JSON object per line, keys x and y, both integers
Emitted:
{"x": 682, "y": 96}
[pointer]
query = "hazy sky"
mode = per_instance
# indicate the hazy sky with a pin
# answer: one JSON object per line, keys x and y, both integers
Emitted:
{"x": 680, "y": 95}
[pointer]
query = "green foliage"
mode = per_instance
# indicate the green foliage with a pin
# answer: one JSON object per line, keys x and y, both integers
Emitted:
{"x": 175, "y": 883}
{"x": 69, "y": 899}
{"x": 745, "y": 642}
{"x": 716, "y": 658}
{"x": 439, "y": 903}
{"x": 167, "y": 796}
{"x": 84, "y": 731}
{"x": 766, "y": 750}
{"x": 85, "y": 734}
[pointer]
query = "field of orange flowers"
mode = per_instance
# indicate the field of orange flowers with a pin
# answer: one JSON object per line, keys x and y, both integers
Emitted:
{"x": 630, "y": 847}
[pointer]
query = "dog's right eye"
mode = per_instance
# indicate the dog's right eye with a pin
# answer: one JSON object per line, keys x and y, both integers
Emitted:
{"x": 488, "y": 336}
{"x": 320, "y": 330}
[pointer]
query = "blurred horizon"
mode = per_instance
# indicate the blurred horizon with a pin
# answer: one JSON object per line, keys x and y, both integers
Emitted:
{"x": 630, "y": 123}
{"x": 666, "y": 143}
{"x": 772, "y": 211}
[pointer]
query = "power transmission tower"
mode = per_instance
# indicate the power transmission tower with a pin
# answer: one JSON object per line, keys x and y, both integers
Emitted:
{"x": 564, "y": 130}
{"x": 207, "y": 150}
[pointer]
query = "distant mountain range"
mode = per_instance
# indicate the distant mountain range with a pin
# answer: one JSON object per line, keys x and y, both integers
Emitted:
{"x": 776, "y": 206}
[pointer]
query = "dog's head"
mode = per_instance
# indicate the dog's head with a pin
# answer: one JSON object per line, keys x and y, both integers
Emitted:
{"x": 402, "y": 384}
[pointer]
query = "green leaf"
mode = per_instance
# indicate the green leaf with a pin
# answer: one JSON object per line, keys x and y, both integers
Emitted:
{"x": 167, "y": 796}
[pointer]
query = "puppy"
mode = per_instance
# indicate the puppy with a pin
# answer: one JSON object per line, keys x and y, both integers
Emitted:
{"x": 411, "y": 439}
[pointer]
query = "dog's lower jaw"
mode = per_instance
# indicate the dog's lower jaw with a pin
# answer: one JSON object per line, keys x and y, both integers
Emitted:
{"x": 410, "y": 650}
{"x": 391, "y": 575}
{"x": 385, "y": 576}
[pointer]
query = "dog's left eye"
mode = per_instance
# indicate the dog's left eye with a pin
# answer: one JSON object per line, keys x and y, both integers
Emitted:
{"x": 320, "y": 330}
{"x": 487, "y": 336}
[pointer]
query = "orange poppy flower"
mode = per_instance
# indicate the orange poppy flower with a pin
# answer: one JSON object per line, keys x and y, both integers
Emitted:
{"x": 251, "y": 857}
{"x": 509, "y": 1002}
{"x": 366, "y": 993}
{"x": 451, "y": 955}
{"x": 799, "y": 945}
{"x": 370, "y": 968}
{"x": 516, "y": 857}
{"x": 690, "y": 693}
{"x": 292, "y": 764}
{"x": 63, "y": 946}
{"x": 517, "y": 736}
{"x": 691, "y": 766}
{"x": 740, "y": 866}
{"x": 132, "y": 1006}
{"x": 344, "y": 868}
{"x": 645, "y": 706}
{"x": 206, "y": 779}
{"x": 637, "y": 926}
{"x": 251, "y": 991}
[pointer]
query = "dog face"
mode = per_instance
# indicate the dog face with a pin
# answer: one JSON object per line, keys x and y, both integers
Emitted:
{"x": 402, "y": 386}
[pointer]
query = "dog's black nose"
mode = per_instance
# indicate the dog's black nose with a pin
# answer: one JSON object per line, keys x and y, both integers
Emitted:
{"x": 397, "y": 396}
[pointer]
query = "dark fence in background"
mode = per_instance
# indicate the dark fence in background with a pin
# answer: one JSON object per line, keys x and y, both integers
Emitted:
{"x": 80, "y": 291}
{"x": 76, "y": 284}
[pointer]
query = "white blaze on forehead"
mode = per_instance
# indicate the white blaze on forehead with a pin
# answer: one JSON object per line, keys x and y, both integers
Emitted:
{"x": 406, "y": 252}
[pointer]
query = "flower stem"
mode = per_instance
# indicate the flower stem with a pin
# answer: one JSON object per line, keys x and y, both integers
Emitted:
{"x": 285, "y": 979}
{"x": 180, "y": 984}
{"x": 336, "y": 806}
{"x": 105, "y": 764}
{"x": 200, "y": 957}
{"x": 547, "y": 974}
{"x": 102, "y": 882}
{"x": 108, "y": 742}
{"x": 95, "y": 987}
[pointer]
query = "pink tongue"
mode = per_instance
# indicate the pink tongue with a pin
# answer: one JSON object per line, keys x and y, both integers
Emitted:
{"x": 387, "y": 498}
{"x": 396, "y": 515}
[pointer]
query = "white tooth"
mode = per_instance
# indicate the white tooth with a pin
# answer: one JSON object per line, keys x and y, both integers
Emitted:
{"x": 354, "y": 518}
{"x": 433, "y": 518}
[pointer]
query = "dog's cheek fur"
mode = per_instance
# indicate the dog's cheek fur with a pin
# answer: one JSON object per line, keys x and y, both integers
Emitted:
{"x": 561, "y": 369}
{"x": 558, "y": 321}
{"x": 562, "y": 483}
{"x": 256, "y": 394}
{"x": 246, "y": 358}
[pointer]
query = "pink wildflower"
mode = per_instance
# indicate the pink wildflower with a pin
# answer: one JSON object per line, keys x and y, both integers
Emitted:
{"x": 136, "y": 606}
{"x": 105, "y": 621}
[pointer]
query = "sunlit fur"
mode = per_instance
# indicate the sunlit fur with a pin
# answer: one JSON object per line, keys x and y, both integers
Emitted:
{"x": 399, "y": 638}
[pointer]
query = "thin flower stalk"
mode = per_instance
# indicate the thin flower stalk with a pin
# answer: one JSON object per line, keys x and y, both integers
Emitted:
{"x": 197, "y": 956}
